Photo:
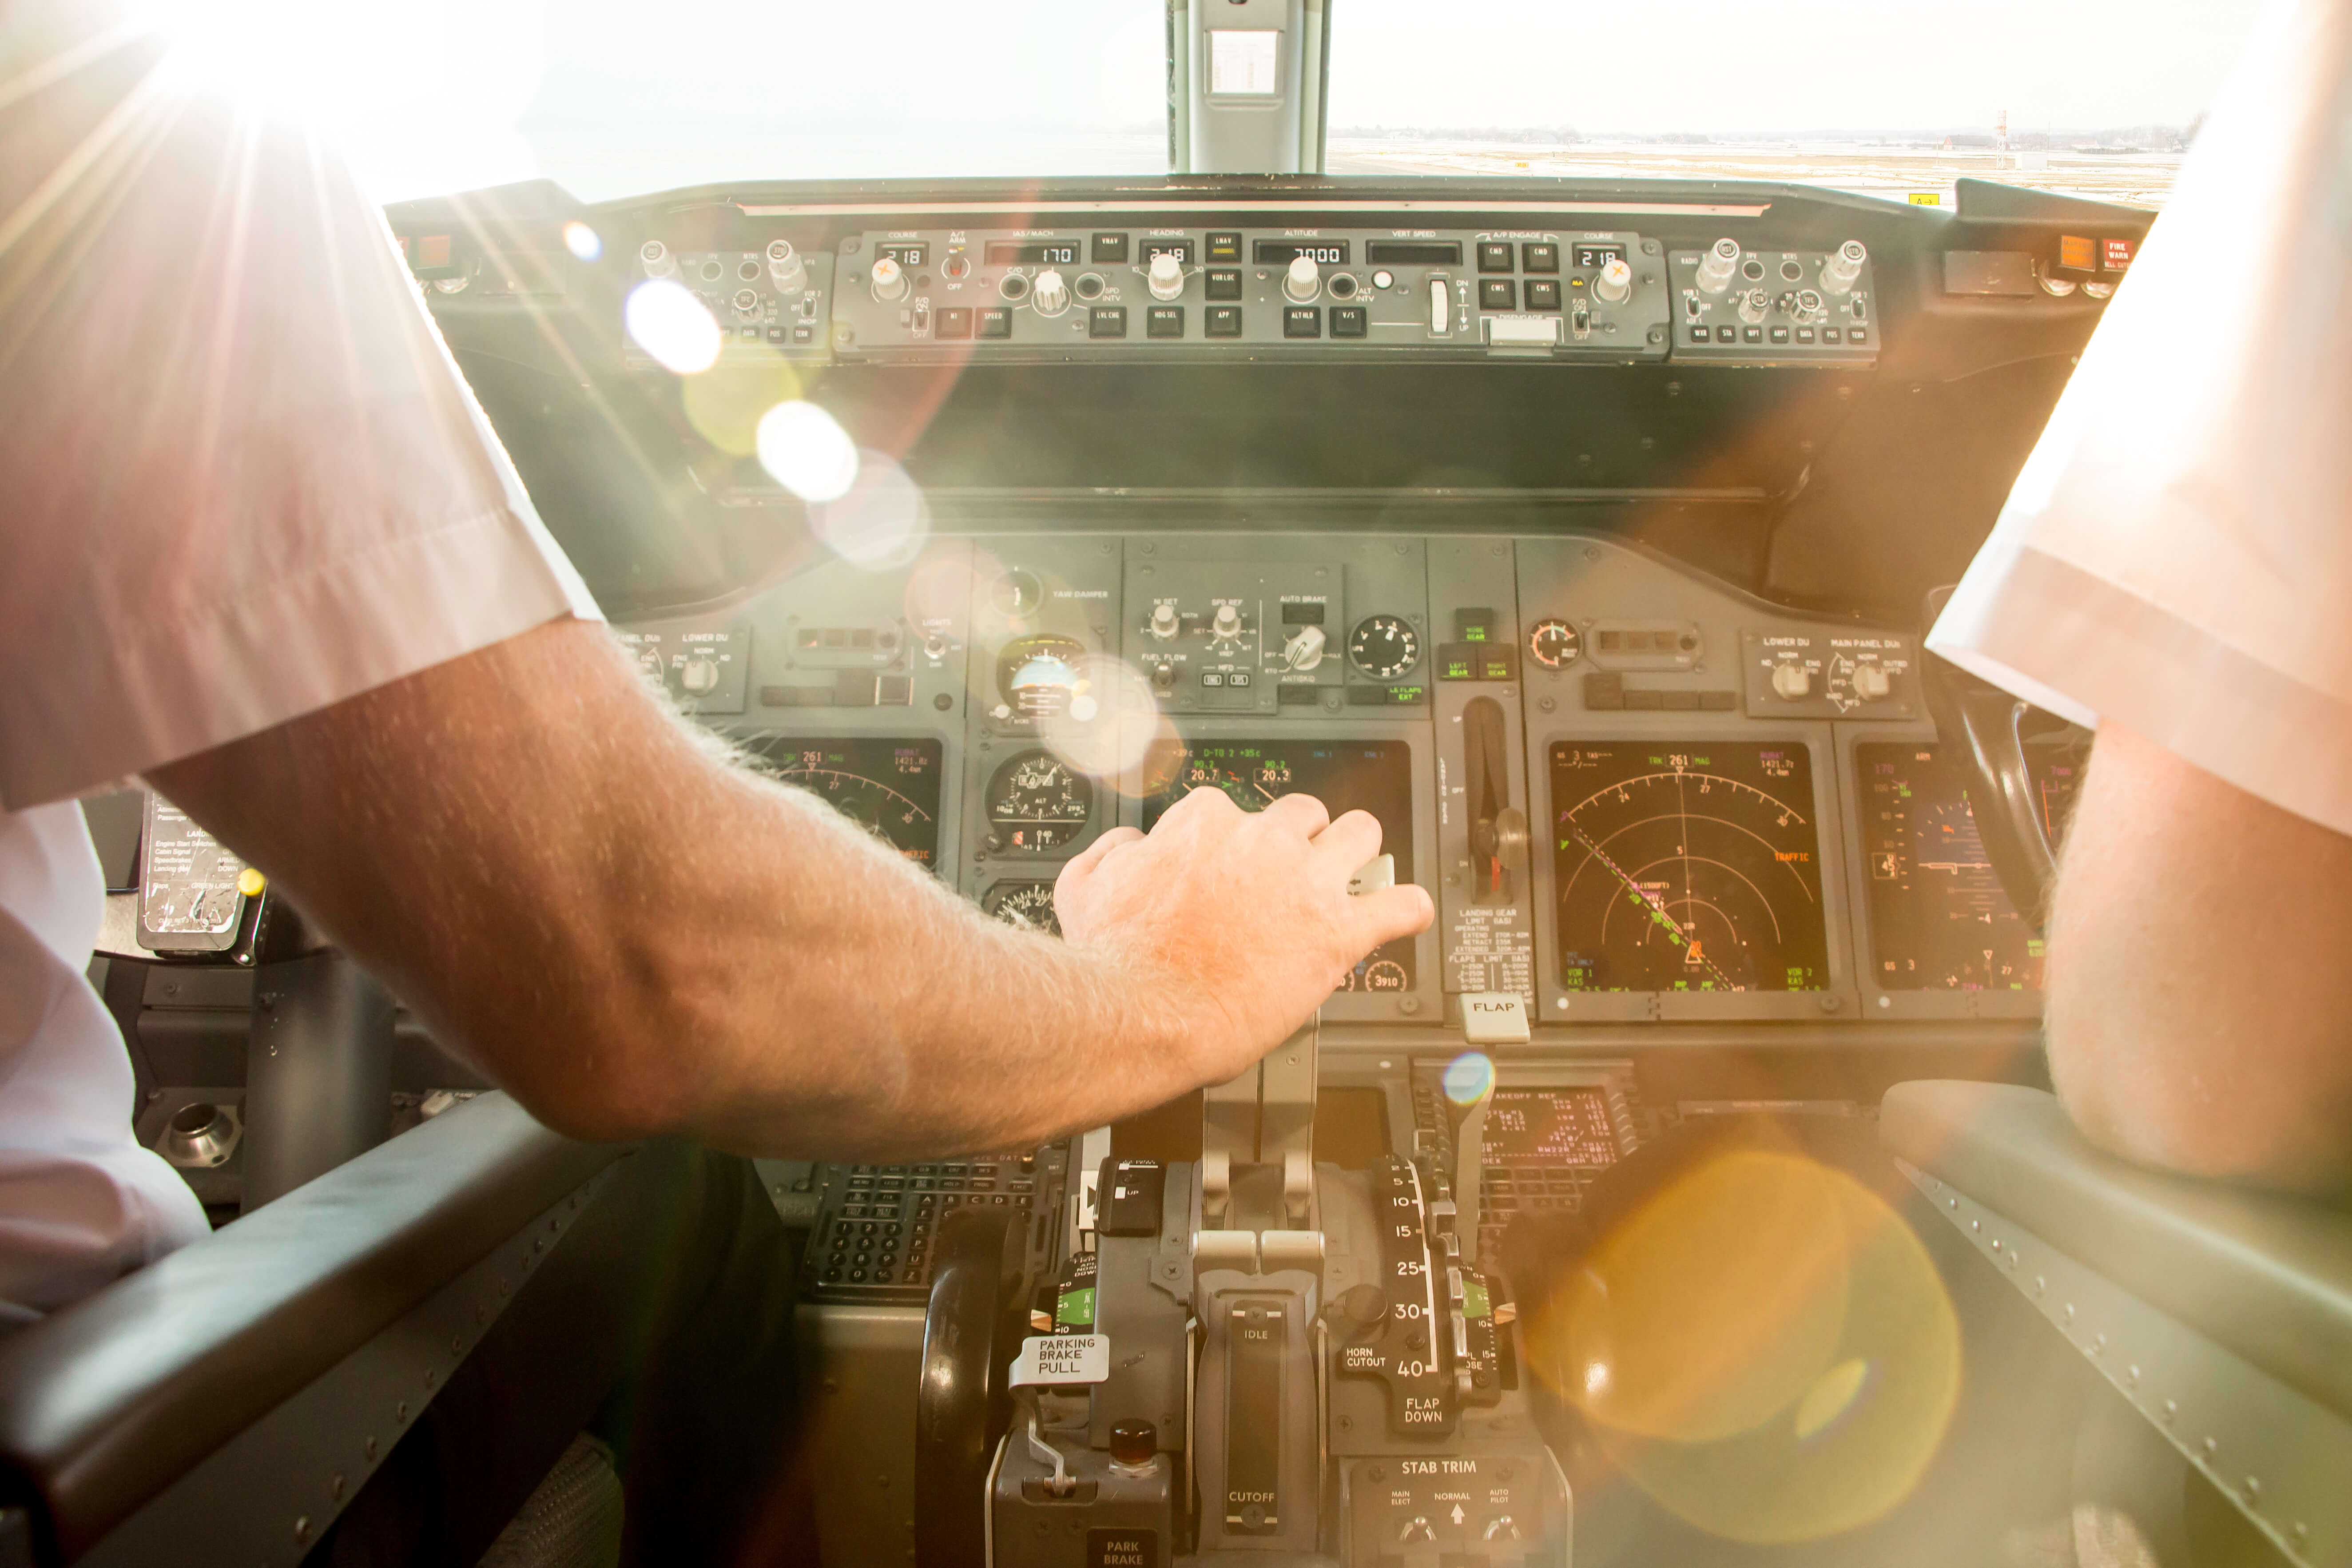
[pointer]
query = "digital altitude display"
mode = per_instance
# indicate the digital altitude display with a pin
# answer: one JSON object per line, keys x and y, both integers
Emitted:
{"x": 1549, "y": 1127}
{"x": 1940, "y": 919}
{"x": 1588, "y": 254}
{"x": 1282, "y": 252}
{"x": 1032, "y": 253}
{"x": 1687, "y": 866}
{"x": 890, "y": 787}
{"x": 1356, "y": 775}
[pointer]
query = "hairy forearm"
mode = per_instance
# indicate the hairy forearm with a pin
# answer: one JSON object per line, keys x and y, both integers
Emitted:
{"x": 635, "y": 937}
{"x": 2198, "y": 996}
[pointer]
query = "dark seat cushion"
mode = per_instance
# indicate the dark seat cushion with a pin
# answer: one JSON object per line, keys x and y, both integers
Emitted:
{"x": 106, "y": 1404}
{"x": 2266, "y": 1276}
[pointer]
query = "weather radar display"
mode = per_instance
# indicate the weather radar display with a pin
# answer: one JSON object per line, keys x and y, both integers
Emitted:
{"x": 1687, "y": 866}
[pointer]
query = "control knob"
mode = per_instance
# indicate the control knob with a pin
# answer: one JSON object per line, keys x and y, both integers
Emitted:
{"x": 1615, "y": 284}
{"x": 1163, "y": 622}
{"x": 1871, "y": 682}
{"x": 889, "y": 279}
{"x": 1303, "y": 650}
{"x": 1843, "y": 267}
{"x": 1304, "y": 281}
{"x": 1225, "y": 623}
{"x": 1716, "y": 266}
{"x": 1807, "y": 307}
{"x": 700, "y": 675}
{"x": 1165, "y": 275}
{"x": 659, "y": 261}
{"x": 784, "y": 265}
{"x": 1792, "y": 682}
{"x": 1753, "y": 304}
{"x": 1049, "y": 293}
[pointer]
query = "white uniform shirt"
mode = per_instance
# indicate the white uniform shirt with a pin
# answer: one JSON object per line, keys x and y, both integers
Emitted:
{"x": 240, "y": 480}
{"x": 2177, "y": 554}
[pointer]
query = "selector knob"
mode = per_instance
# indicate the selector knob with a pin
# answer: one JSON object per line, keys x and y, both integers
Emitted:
{"x": 1753, "y": 305}
{"x": 1165, "y": 275}
{"x": 1615, "y": 283}
{"x": 1163, "y": 622}
{"x": 659, "y": 261}
{"x": 1718, "y": 266}
{"x": 1871, "y": 682}
{"x": 784, "y": 265}
{"x": 700, "y": 675}
{"x": 1792, "y": 682}
{"x": 889, "y": 279}
{"x": 1049, "y": 293}
{"x": 1227, "y": 623}
{"x": 1807, "y": 308}
{"x": 1843, "y": 267}
{"x": 1304, "y": 281}
{"x": 1303, "y": 649}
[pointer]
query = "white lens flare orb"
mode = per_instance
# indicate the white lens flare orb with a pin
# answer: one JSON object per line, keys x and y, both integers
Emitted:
{"x": 1109, "y": 722}
{"x": 1469, "y": 1078}
{"x": 671, "y": 324}
{"x": 805, "y": 450}
{"x": 884, "y": 520}
{"x": 582, "y": 241}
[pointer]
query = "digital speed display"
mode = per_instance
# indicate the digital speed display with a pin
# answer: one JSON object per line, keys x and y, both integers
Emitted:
{"x": 1588, "y": 254}
{"x": 1282, "y": 252}
{"x": 890, "y": 787}
{"x": 1940, "y": 919}
{"x": 1358, "y": 775}
{"x": 1549, "y": 1127}
{"x": 1032, "y": 253}
{"x": 1687, "y": 866}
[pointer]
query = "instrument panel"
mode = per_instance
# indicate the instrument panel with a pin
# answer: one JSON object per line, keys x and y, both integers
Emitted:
{"x": 1635, "y": 794}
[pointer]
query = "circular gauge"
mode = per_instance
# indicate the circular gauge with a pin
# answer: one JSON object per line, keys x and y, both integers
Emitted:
{"x": 1026, "y": 906}
{"x": 1384, "y": 975}
{"x": 1036, "y": 802}
{"x": 1688, "y": 867}
{"x": 1553, "y": 644}
{"x": 891, "y": 815}
{"x": 1383, "y": 647}
{"x": 1039, "y": 674}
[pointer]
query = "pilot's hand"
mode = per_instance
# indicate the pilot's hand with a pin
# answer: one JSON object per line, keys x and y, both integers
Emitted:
{"x": 1245, "y": 920}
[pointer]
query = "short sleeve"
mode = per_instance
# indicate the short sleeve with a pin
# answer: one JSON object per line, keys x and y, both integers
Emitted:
{"x": 2177, "y": 554}
{"x": 242, "y": 477}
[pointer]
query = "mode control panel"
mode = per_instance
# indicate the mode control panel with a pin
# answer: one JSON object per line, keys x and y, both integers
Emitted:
{"x": 1775, "y": 307}
{"x": 1140, "y": 292}
{"x": 774, "y": 298}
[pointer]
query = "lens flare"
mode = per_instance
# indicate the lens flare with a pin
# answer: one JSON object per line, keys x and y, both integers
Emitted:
{"x": 727, "y": 403}
{"x": 1764, "y": 1347}
{"x": 582, "y": 241}
{"x": 671, "y": 324}
{"x": 1110, "y": 721}
{"x": 805, "y": 450}
{"x": 1469, "y": 1078}
{"x": 881, "y": 521}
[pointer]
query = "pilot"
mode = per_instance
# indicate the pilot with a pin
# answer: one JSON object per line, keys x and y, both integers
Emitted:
{"x": 262, "y": 550}
{"x": 2174, "y": 566}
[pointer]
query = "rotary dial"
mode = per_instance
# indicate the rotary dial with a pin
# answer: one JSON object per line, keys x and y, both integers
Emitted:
{"x": 1383, "y": 647}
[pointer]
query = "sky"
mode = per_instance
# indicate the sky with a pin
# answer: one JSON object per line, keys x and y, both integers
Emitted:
{"x": 616, "y": 97}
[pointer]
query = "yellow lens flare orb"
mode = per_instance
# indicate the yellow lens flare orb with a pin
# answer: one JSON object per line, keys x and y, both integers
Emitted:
{"x": 1764, "y": 1347}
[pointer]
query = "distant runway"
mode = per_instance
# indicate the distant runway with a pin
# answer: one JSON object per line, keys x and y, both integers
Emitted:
{"x": 1895, "y": 173}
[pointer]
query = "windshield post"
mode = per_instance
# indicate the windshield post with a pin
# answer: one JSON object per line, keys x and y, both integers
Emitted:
{"x": 1248, "y": 86}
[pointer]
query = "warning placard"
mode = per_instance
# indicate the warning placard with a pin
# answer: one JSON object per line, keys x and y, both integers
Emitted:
{"x": 1055, "y": 1359}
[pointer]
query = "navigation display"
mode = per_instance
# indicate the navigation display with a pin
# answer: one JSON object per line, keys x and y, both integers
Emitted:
{"x": 1357, "y": 775}
{"x": 1687, "y": 866}
{"x": 1940, "y": 919}
{"x": 1549, "y": 1127}
{"x": 890, "y": 787}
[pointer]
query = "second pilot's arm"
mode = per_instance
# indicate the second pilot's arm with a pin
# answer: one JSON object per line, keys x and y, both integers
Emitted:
{"x": 2175, "y": 566}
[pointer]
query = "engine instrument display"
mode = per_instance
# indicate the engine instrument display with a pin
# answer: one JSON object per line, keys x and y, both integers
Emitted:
{"x": 1026, "y": 906}
{"x": 1940, "y": 919}
{"x": 1549, "y": 1127}
{"x": 890, "y": 787}
{"x": 1355, "y": 775}
{"x": 1687, "y": 866}
{"x": 1036, "y": 802}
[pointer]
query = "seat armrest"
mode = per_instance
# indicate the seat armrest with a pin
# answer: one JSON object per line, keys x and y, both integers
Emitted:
{"x": 106, "y": 1404}
{"x": 2264, "y": 1275}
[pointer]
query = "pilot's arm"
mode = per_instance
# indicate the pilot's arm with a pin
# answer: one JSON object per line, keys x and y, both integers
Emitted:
{"x": 2175, "y": 566}
{"x": 262, "y": 548}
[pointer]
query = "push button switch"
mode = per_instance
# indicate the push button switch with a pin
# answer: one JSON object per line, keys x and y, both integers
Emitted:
{"x": 1302, "y": 322}
{"x": 1165, "y": 322}
{"x": 1495, "y": 256}
{"x": 1350, "y": 321}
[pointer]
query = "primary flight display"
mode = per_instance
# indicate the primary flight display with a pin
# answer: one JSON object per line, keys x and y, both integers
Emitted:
{"x": 1686, "y": 866}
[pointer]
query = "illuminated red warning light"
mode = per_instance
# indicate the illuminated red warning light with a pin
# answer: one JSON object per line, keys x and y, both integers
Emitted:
{"x": 2115, "y": 255}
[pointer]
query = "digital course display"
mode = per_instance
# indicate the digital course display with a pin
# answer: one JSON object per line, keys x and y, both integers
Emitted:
{"x": 1940, "y": 919}
{"x": 1549, "y": 1127}
{"x": 890, "y": 787}
{"x": 1687, "y": 866}
{"x": 1357, "y": 775}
